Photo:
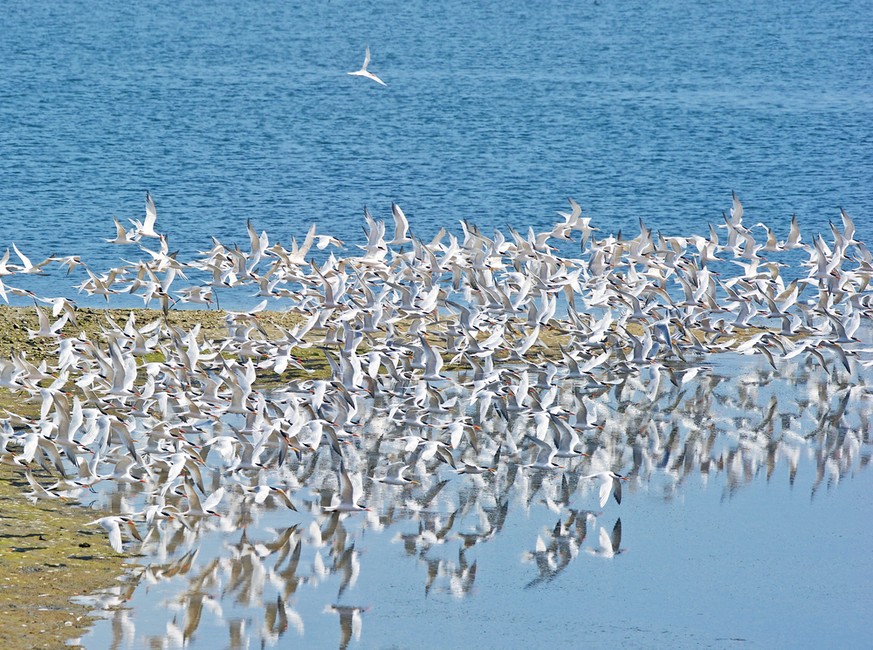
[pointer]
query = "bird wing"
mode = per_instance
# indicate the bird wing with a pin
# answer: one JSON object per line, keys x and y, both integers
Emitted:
{"x": 736, "y": 210}
{"x": 120, "y": 232}
{"x": 151, "y": 214}
{"x": 395, "y": 469}
{"x": 615, "y": 539}
{"x": 347, "y": 489}
{"x": 213, "y": 500}
{"x": 114, "y": 531}
{"x": 286, "y": 498}
{"x": 134, "y": 531}
{"x": 848, "y": 225}
{"x": 541, "y": 444}
{"x": 25, "y": 261}
{"x": 193, "y": 498}
{"x": 401, "y": 224}
{"x": 605, "y": 489}
{"x": 44, "y": 324}
{"x": 261, "y": 493}
{"x": 376, "y": 79}
{"x": 433, "y": 359}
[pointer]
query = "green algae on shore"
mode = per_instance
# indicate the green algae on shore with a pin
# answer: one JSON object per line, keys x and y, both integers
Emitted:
{"x": 47, "y": 557}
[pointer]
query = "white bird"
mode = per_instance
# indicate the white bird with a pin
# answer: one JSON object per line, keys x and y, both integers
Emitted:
{"x": 259, "y": 494}
{"x": 26, "y": 265}
{"x": 147, "y": 229}
{"x": 112, "y": 525}
{"x": 545, "y": 455}
{"x": 609, "y": 482}
{"x": 121, "y": 235}
{"x": 38, "y": 491}
{"x": 206, "y": 508}
{"x": 46, "y": 327}
{"x": 470, "y": 468}
{"x": 349, "y": 495}
{"x": 433, "y": 362}
{"x": 401, "y": 227}
{"x": 363, "y": 72}
{"x": 794, "y": 237}
{"x": 394, "y": 475}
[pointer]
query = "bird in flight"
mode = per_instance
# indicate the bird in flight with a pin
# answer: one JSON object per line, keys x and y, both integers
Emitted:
{"x": 146, "y": 229}
{"x": 363, "y": 72}
{"x": 609, "y": 482}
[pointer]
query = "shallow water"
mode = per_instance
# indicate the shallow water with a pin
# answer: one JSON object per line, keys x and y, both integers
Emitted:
{"x": 742, "y": 524}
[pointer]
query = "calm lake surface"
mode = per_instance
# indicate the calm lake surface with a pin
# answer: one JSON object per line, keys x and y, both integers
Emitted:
{"x": 743, "y": 524}
{"x": 494, "y": 112}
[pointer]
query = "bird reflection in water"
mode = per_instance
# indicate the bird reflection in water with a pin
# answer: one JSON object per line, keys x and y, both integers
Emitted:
{"x": 456, "y": 397}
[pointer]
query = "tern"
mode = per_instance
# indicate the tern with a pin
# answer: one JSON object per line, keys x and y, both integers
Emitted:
{"x": 394, "y": 475}
{"x": 259, "y": 494}
{"x": 363, "y": 72}
{"x": 196, "y": 508}
{"x": 26, "y": 265}
{"x": 470, "y": 468}
{"x": 349, "y": 494}
{"x": 401, "y": 224}
{"x": 146, "y": 229}
{"x": 112, "y": 525}
{"x": 121, "y": 235}
{"x": 545, "y": 455}
{"x": 609, "y": 482}
{"x": 39, "y": 492}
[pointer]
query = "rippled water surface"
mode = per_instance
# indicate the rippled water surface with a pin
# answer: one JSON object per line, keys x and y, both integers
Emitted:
{"x": 494, "y": 112}
{"x": 745, "y": 520}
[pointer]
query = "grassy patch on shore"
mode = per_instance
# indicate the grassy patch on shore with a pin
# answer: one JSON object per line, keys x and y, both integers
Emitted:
{"x": 48, "y": 556}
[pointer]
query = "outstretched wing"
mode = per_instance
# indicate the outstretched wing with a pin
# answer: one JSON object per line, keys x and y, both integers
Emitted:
{"x": 615, "y": 539}
{"x": 151, "y": 214}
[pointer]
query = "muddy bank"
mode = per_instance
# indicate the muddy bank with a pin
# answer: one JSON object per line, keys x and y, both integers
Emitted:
{"x": 47, "y": 554}
{"x": 47, "y": 557}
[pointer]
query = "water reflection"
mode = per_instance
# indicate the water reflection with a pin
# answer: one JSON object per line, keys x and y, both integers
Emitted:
{"x": 274, "y": 541}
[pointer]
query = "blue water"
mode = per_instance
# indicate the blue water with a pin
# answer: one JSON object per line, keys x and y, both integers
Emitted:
{"x": 743, "y": 526}
{"x": 494, "y": 112}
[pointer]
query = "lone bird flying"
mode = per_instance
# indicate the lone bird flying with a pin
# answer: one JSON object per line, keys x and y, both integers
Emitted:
{"x": 363, "y": 72}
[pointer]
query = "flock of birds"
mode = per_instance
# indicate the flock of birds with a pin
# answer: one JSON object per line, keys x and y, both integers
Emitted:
{"x": 464, "y": 374}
